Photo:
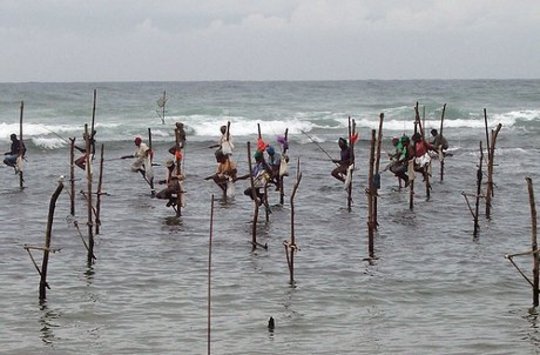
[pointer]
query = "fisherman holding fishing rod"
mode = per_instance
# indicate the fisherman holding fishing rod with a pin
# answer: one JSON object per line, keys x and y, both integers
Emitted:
{"x": 343, "y": 163}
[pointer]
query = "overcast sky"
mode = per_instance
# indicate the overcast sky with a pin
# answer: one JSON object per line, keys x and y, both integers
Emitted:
{"x": 132, "y": 40}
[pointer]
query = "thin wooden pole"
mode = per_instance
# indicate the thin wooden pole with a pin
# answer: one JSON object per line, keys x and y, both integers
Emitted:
{"x": 93, "y": 116}
{"x": 478, "y": 192}
{"x": 292, "y": 245}
{"x": 255, "y": 202}
{"x": 441, "y": 133}
{"x": 21, "y": 145}
{"x": 411, "y": 181}
{"x": 371, "y": 194}
{"x": 178, "y": 157}
{"x": 89, "y": 199}
{"x": 491, "y": 154}
{"x": 377, "y": 168}
{"x": 99, "y": 191}
{"x": 72, "y": 176}
{"x": 534, "y": 243}
{"x": 487, "y": 135}
{"x": 282, "y": 177}
{"x": 210, "y": 270}
{"x": 48, "y": 237}
{"x": 151, "y": 179}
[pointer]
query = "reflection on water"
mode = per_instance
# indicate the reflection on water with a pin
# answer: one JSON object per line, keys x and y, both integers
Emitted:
{"x": 47, "y": 324}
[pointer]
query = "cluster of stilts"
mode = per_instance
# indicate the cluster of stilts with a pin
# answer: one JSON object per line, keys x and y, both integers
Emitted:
{"x": 93, "y": 202}
{"x": 488, "y": 196}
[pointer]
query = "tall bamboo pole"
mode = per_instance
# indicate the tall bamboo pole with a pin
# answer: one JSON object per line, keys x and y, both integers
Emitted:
{"x": 282, "y": 178}
{"x": 89, "y": 199}
{"x": 255, "y": 202}
{"x": 21, "y": 145}
{"x": 411, "y": 181}
{"x": 290, "y": 248}
{"x": 352, "y": 129}
{"x": 48, "y": 236}
{"x": 491, "y": 154}
{"x": 371, "y": 194}
{"x": 487, "y": 135}
{"x": 210, "y": 270}
{"x": 441, "y": 133}
{"x": 72, "y": 176}
{"x": 178, "y": 159}
{"x": 99, "y": 192}
{"x": 536, "y": 258}
{"x": 377, "y": 168}
{"x": 478, "y": 192}
{"x": 151, "y": 179}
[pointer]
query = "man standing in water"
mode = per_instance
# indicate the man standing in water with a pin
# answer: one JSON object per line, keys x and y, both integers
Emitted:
{"x": 17, "y": 150}
{"x": 344, "y": 162}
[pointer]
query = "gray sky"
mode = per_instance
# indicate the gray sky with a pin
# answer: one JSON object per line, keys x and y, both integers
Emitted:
{"x": 132, "y": 40}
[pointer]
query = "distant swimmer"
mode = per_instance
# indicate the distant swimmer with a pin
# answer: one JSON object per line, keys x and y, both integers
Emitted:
{"x": 344, "y": 161}
{"x": 16, "y": 154}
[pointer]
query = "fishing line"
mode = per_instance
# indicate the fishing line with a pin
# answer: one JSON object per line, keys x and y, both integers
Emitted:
{"x": 56, "y": 134}
{"x": 319, "y": 146}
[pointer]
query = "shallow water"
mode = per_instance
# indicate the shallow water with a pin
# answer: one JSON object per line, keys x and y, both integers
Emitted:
{"x": 432, "y": 289}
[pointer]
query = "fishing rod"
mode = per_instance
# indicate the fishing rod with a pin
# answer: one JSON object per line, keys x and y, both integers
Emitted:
{"x": 56, "y": 134}
{"x": 319, "y": 146}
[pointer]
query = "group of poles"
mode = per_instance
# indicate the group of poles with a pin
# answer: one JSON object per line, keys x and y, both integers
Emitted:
{"x": 290, "y": 246}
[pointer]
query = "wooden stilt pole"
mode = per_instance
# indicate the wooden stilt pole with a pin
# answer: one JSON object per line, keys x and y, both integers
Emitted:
{"x": 89, "y": 199}
{"x": 371, "y": 192}
{"x": 21, "y": 145}
{"x": 151, "y": 179}
{"x": 411, "y": 184}
{"x": 487, "y": 135}
{"x": 48, "y": 236}
{"x": 282, "y": 177}
{"x": 425, "y": 169}
{"x": 178, "y": 158}
{"x": 534, "y": 243}
{"x": 377, "y": 174}
{"x": 440, "y": 148}
{"x": 72, "y": 176}
{"x": 210, "y": 271}
{"x": 478, "y": 192}
{"x": 491, "y": 154}
{"x": 255, "y": 201}
{"x": 351, "y": 146}
{"x": 290, "y": 246}
{"x": 99, "y": 191}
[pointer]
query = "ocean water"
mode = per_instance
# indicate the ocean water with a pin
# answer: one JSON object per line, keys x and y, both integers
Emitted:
{"x": 432, "y": 289}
